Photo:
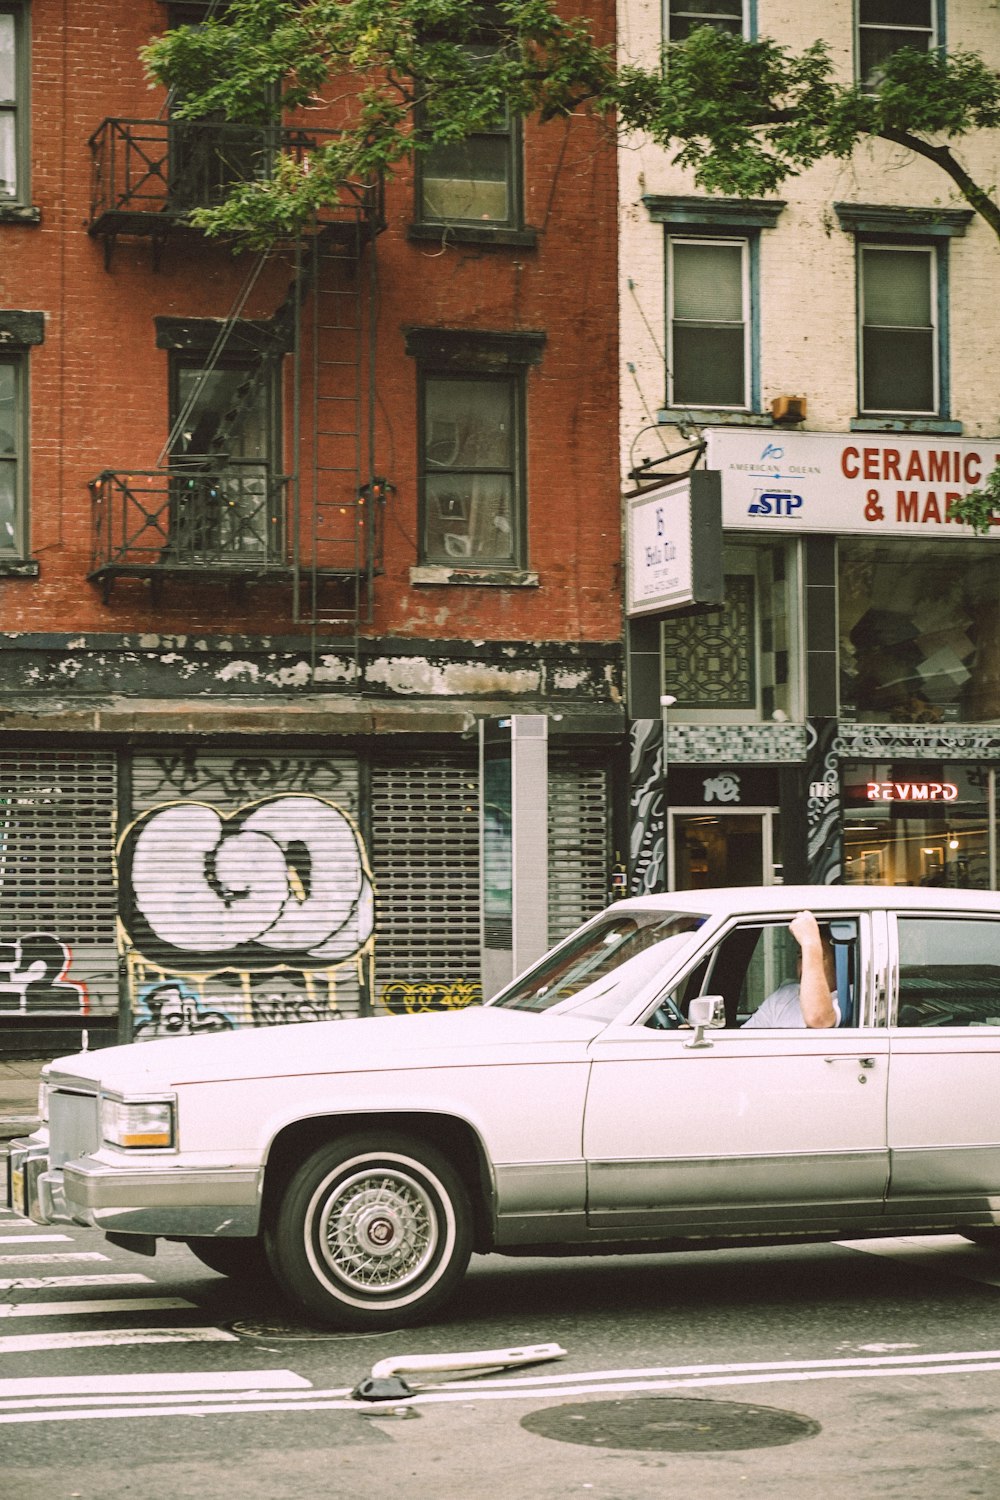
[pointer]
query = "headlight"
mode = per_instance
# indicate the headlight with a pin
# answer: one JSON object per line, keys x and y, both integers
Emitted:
{"x": 138, "y": 1124}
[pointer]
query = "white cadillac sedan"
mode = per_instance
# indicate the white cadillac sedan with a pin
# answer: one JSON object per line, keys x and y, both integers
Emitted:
{"x": 612, "y": 1098}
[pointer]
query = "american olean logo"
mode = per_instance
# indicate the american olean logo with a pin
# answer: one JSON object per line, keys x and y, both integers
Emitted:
{"x": 775, "y": 503}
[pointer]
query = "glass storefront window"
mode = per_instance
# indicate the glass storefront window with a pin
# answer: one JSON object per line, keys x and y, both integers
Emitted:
{"x": 918, "y": 825}
{"x": 919, "y": 631}
{"x": 737, "y": 664}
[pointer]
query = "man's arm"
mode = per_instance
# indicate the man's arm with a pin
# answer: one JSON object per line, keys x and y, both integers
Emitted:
{"x": 815, "y": 996}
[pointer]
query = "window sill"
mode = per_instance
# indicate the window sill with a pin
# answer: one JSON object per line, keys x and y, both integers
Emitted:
{"x": 444, "y": 573}
{"x": 474, "y": 234}
{"x": 703, "y": 416}
{"x": 18, "y": 568}
{"x": 906, "y": 424}
{"x": 19, "y": 213}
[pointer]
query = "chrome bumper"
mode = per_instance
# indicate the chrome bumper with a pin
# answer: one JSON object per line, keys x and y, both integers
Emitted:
{"x": 175, "y": 1201}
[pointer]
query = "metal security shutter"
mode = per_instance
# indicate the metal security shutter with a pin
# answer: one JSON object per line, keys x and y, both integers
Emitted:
{"x": 579, "y": 845}
{"x": 425, "y": 857}
{"x": 231, "y": 779}
{"x": 57, "y": 885}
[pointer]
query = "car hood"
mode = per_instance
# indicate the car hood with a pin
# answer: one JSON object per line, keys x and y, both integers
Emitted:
{"x": 443, "y": 1039}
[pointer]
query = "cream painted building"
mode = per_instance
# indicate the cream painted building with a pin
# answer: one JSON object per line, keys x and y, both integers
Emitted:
{"x": 830, "y": 351}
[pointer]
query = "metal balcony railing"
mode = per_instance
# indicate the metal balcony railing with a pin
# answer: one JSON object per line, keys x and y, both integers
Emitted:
{"x": 147, "y": 175}
{"x": 227, "y": 517}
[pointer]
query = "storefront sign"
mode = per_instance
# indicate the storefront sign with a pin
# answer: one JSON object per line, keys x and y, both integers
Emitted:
{"x": 912, "y": 791}
{"x": 674, "y": 546}
{"x": 860, "y": 484}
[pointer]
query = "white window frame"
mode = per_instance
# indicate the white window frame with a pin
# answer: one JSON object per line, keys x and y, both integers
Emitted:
{"x": 693, "y": 10}
{"x": 701, "y": 240}
{"x": 860, "y": 27}
{"x": 931, "y": 252}
{"x": 17, "y": 107}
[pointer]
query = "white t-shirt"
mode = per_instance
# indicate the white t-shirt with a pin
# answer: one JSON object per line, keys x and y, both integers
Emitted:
{"x": 783, "y": 1008}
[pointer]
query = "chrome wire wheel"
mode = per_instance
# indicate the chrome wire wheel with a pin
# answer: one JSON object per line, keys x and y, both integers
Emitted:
{"x": 378, "y": 1230}
{"x": 373, "y": 1231}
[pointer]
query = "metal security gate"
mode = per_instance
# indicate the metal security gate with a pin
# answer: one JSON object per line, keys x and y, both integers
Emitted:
{"x": 425, "y": 856}
{"x": 58, "y": 954}
{"x": 579, "y": 845}
{"x": 245, "y": 890}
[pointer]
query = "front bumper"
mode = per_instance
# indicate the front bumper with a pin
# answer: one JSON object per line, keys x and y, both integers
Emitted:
{"x": 171, "y": 1200}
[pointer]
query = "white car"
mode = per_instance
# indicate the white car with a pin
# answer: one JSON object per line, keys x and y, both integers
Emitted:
{"x": 609, "y": 1099}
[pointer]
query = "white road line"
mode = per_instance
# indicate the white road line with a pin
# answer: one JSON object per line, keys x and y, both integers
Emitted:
{"x": 46, "y": 1259}
{"x": 137, "y": 1385}
{"x": 613, "y": 1382}
{"x": 33, "y": 1343}
{"x": 33, "y": 1239}
{"x": 44, "y": 1283}
{"x": 96, "y": 1305}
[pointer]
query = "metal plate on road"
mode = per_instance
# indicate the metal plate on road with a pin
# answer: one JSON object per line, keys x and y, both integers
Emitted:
{"x": 671, "y": 1424}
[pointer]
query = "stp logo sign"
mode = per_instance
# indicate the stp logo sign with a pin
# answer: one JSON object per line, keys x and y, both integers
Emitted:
{"x": 775, "y": 503}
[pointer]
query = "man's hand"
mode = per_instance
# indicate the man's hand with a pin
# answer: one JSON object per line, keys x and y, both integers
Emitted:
{"x": 817, "y": 979}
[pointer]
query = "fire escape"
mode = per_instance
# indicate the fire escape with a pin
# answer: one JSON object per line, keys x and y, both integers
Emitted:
{"x": 219, "y": 507}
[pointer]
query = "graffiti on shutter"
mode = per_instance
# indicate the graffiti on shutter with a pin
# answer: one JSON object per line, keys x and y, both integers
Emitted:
{"x": 58, "y": 952}
{"x": 245, "y": 892}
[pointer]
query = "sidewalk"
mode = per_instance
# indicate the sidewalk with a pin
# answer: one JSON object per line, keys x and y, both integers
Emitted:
{"x": 18, "y": 1096}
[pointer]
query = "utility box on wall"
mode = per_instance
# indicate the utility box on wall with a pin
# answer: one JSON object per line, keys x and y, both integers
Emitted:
{"x": 513, "y": 780}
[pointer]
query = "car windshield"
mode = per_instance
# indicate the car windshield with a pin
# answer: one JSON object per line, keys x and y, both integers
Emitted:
{"x": 598, "y": 970}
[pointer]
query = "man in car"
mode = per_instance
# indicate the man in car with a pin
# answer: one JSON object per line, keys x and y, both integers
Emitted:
{"x": 811, "y": 1000}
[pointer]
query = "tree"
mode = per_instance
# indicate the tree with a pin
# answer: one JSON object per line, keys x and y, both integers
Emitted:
{"x": 406, "y": 75}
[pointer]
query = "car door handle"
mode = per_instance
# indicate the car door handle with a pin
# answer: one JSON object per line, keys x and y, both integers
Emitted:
{"x": 858, "y": 1062}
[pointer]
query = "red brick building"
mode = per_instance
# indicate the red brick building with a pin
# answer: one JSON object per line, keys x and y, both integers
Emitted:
{"x": 276, "y": 532}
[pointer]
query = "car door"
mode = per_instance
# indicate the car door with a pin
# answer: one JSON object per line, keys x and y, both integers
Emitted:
{"x": 782, "y": 1127}
{"x": 943, "y": 1111}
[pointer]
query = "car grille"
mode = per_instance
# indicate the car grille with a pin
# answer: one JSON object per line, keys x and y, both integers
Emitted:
{"x": 74, "y": 1125}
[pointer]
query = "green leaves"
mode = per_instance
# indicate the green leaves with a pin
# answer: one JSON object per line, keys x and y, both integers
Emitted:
{"x": 400, "y": 76}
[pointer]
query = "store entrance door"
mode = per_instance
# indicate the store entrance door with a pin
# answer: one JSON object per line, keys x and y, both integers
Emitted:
{"x": 710, "y": 848}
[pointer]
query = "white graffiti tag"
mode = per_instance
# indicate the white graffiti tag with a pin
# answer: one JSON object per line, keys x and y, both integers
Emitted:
{"x": 283, "y": 881}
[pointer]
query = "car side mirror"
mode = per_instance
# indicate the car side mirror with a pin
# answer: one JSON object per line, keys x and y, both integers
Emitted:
{"x": 705, "y": 1011}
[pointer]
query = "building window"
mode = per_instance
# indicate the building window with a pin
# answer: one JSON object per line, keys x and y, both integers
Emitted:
{"x": 887, "y": 26}
{"x": 12, "y": 407}
{"x": 476, "y": 180}
{"x": 225, "y": 458}
{"x": 471, "y": 463}
{"x": 899, "y": 328}
{"x": 685, "y": 16}
{"x": 737, "y": 664}
{"x": 13, "y": 103}
{"x": 709, "y": 316}
{"x": 919, "y": 630}
{"x": 898, "y": 830}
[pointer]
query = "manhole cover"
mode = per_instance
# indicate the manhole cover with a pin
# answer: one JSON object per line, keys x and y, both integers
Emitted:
{"x": 671, "y": 1424}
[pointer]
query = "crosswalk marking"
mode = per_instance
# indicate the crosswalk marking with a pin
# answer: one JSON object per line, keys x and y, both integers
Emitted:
{"x": 32, "y": 1239}
{"x": 947, "y": 1253}
{"x": 174, "y": 1383}
{"x": 48, "y": 1283}
{"x": 95, "y": 1305}
{"x": 32, "y": 1343}
{"x": 53, "y": 1258}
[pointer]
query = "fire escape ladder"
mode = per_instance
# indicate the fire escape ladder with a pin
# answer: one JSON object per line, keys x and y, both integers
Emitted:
{"x": 336, "y": 527}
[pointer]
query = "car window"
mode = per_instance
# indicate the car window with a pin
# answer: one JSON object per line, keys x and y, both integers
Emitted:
{"x": 753, "y": 962}
{"x": 597, "y": 971}
{"x": 949, "y": 971}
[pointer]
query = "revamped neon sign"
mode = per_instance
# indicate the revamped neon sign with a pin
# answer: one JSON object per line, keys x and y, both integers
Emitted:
{"x": 912, "y": 791}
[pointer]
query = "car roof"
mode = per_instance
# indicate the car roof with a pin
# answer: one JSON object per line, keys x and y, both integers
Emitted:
{"x": 779, "y": 898}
